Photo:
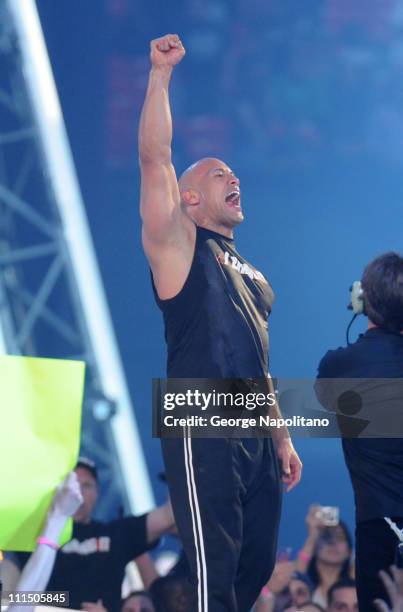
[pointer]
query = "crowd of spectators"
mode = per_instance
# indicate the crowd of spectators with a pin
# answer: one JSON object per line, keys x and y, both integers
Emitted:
{"x": 319, "y": 578}
{"x": 323, "y": 571}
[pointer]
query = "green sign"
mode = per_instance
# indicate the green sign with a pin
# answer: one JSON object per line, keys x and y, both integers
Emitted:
{"x": 40, "y": 421}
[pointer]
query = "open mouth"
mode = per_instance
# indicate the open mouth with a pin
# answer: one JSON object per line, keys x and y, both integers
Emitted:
{"x": 233, "y": 199}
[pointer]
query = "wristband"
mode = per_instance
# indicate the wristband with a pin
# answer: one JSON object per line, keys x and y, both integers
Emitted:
{"x": 47, "y": 542}
{"x": 304, "y": 556}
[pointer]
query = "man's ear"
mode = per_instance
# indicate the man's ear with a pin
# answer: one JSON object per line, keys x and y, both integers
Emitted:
{"x": 190, "y": 197}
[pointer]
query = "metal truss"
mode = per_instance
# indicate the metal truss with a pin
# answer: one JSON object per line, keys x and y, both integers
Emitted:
{"x": 48, "y": 301}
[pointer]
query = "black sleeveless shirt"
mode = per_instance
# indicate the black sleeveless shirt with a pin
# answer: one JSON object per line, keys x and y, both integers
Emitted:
{"x": 216, "y": 326}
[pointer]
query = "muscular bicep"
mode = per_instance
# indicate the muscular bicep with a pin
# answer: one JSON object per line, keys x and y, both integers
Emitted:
{"x": 159, "y": 201}
{"x": 168, "y": 234}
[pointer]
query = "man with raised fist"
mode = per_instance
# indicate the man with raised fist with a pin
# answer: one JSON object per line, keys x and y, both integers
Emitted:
{"x": 226, "y": 492}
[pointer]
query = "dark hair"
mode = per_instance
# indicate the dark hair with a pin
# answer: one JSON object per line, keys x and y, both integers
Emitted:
{"x": 89, "y": 465}
{"x": 345, "y": 568}
{"x": 346, "y": 583}
{"x": 172, "y": 594}
{"x": 382, "y": 285}
{"x": 303, "y": 578}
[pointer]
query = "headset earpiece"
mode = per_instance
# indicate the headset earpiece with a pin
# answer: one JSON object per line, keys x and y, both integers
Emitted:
{"x": 357, "y": 298}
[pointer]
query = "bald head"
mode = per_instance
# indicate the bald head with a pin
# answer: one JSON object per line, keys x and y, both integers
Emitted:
{"x": 192, "y": 175}
{"x": 210, "y": 192}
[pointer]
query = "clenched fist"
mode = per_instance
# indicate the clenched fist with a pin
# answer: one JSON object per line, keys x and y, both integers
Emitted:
{"x": 167, "y": 50}
{"x": 68, "y": 497}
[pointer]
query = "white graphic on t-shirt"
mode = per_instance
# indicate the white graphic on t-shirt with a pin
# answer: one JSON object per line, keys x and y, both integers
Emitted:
{"x": 88, "y": 547}
{"x": 242, "y": 268}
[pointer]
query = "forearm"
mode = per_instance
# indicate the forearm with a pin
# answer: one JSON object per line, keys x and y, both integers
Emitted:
{"x": 155, "y": 132}
{"x": 305, "y": 554}
{"x": 159, "y": 522}
{"x": 36, "y": 573}
{"x": 147, "y": 570}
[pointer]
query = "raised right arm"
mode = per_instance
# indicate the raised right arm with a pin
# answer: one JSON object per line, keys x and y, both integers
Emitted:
{"x": 160, "y": 199}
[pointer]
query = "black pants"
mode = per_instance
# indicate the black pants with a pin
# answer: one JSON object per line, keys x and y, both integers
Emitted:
{"x": 375, "y": 550}
{"x": 226, "y": 496}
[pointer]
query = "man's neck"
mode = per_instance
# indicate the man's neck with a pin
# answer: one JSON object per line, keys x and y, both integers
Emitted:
{"x": 228, "y": 232}
{"x": 372, "y": 325}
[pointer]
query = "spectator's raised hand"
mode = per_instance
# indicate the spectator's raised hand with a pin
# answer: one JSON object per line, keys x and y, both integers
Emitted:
{"x": 281, "y": 576}
{"x": 394, "y": 589}
{"x": 38, "y": 569}
{"x": 68, "y": 497}
{"x": 315, "y": 526}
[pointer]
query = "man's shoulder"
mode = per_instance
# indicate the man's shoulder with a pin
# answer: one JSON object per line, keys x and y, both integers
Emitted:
{"x": 129, "y": 535}
{"x": 337, "y": 361}
{"x": 127, "y": 523}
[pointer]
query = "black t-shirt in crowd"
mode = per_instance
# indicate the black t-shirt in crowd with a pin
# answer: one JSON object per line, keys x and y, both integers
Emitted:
{"x": 375, "y": 464}
{"x": 216, "y": 327}
{"x": 91, "y": 566}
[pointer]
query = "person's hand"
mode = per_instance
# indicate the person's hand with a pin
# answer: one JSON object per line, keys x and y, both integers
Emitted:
{"x": 93, "y": 607}
{"x": 394, "y": 589}
{"x": 167, "y": 50}
{"x": 281, "y": 576}
{"x": 290, "y": 463}
{"x": 68, "y": 497}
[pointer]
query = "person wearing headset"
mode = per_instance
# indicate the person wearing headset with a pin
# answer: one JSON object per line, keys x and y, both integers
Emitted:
{"x": 371, "y": 368}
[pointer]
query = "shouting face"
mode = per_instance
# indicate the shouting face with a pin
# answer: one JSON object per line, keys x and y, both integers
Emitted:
{"x": 211, "y": 193}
